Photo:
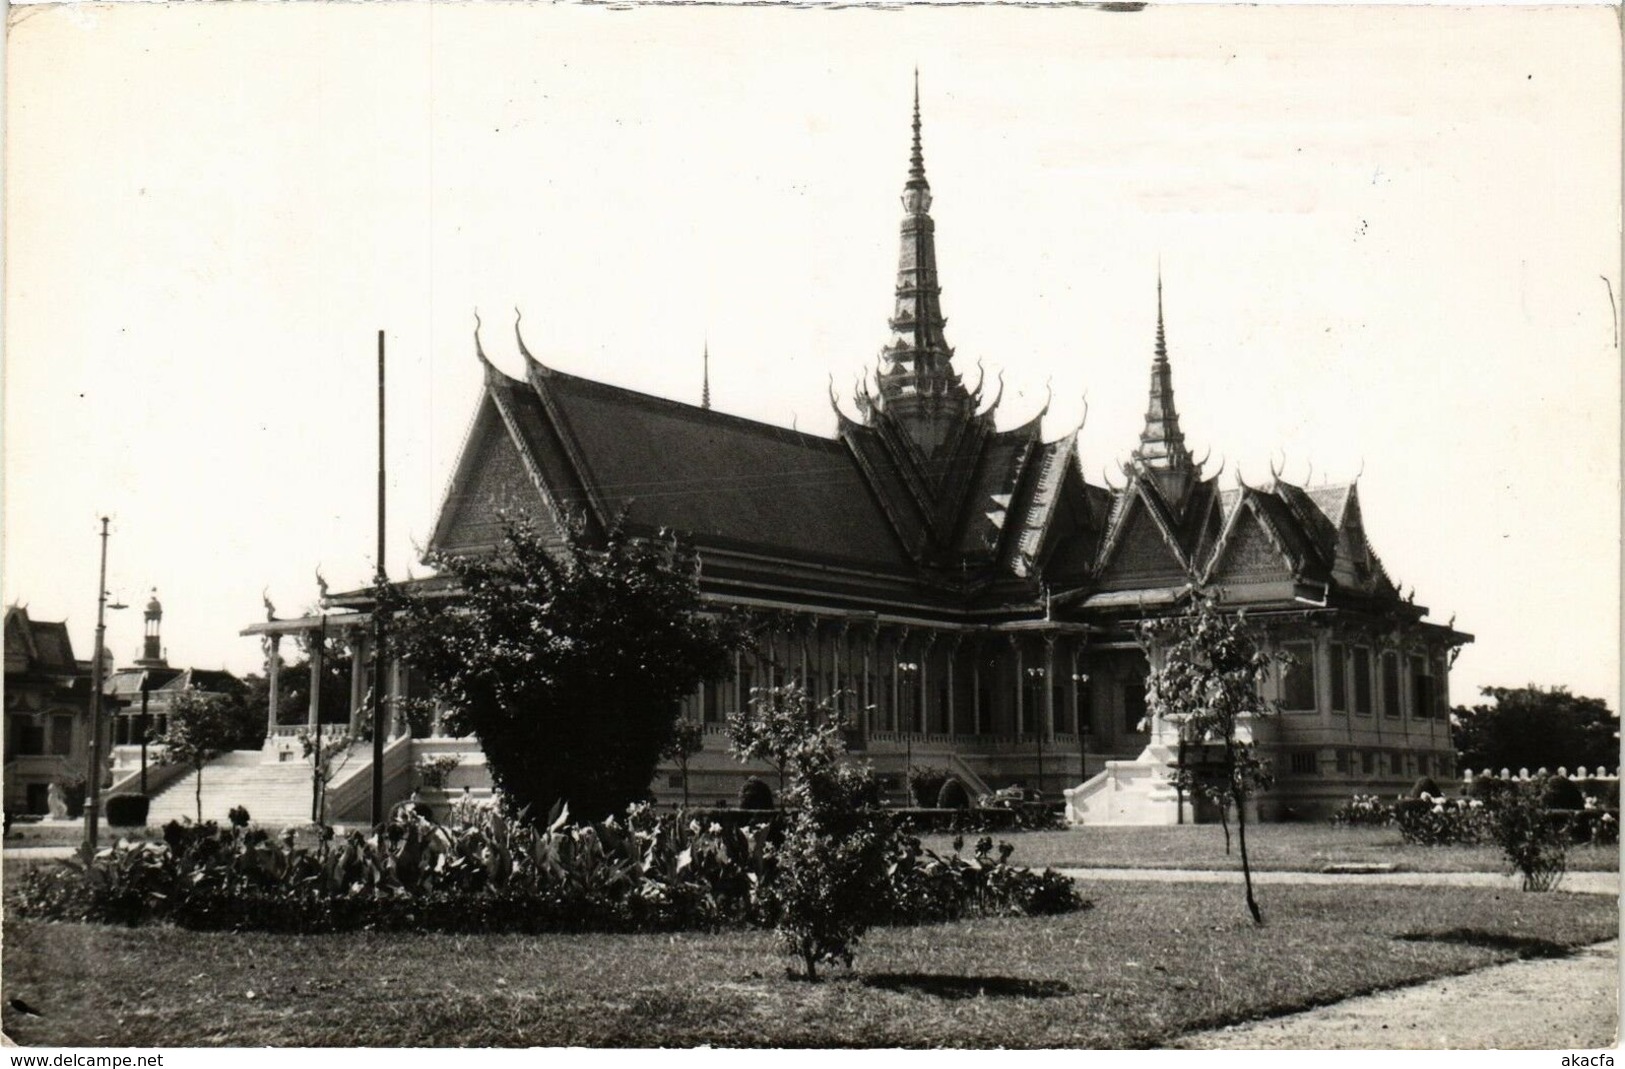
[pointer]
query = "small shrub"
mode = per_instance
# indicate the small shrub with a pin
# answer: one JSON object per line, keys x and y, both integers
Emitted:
{"x": 127, "y": 810}
{"x": 1441, "y": 821}
{"x": 953, "y": 795}
{"x": 925, "y": 782}
{"x": 1534, "y": 843}
{"x": 755, "y": 794}
{"x": 1364, "y": 811}
{"x": 1425, "y": 788}
{"x": 1561, "y": 793}
{"x": 238, "y": 815}
{"x": 1597, "y": 827}
{"x": 435, "y": 772}
{"x": 1488, "y": 788}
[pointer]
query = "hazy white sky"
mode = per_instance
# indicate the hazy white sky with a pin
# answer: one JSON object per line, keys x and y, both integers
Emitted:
{"x": 1388, "y": 238}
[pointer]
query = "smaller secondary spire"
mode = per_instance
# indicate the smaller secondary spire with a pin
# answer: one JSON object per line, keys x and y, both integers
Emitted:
{"x": 705, "y": 376}
{"x": 1162, "y": 337}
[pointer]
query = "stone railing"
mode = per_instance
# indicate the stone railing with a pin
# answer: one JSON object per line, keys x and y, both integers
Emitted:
{"x": 1581, "y": 773}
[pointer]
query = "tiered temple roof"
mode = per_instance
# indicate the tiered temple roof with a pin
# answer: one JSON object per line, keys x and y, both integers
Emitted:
{"x": 920, "y": 501}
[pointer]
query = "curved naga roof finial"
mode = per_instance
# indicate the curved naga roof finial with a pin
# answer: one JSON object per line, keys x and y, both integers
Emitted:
{"x": 479, "y": 350}
{"x": 1275, "y": 473}
{"x": 1309, "y": 476}
{"x": 976, "y": 394}
{"x": 988, "y": 411}
{"x": 835, "y": 401}
{"x": 1106, "y": 477}
{"x": 1361, "y": 471}
{"x": 1223, "y": 460}
{"x": 861, "y": 398}
{"x": 1200, "y": 464}
{"x": 1049, "y": 395}
{"x": 517, "y": 316}
{"x": 1085, "y": 417}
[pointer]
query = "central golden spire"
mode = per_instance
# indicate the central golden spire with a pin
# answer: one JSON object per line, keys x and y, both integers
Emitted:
{"x": 918, "y": 385}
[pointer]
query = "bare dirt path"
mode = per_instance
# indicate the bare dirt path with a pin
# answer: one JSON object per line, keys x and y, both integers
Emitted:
{"x": 1567, "y": 1003}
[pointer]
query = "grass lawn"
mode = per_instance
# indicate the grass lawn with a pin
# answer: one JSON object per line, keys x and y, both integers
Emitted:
{"x": 1148, "y": 963}
{"x": 1271, "y": 847}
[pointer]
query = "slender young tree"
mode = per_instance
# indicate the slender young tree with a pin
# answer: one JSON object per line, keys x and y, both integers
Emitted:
{"x": 773, "y": 727}
{"x": 687, "y": 739}
{"x": 202, "y": 726}
{"x": 1209, "y": 681}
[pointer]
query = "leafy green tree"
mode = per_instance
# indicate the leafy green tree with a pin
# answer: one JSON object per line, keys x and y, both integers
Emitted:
{"x": 687, "y": 739}
{"x": 772, "y": 727}
{"x": 830, "y": 870}
{"x": 1209, "y": 681}
{"x": 1535, "y": 727}
{"x": 567, "y": 660}
{"x": 202, "y": 726}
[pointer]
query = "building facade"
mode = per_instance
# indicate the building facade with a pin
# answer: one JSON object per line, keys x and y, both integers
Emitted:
{"x": 48, "y": 704}
{"x": 963, "y": 591}
{"x": 967, "y": 597}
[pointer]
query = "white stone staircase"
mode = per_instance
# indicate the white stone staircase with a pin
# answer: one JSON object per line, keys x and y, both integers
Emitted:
{"x": 275, "y": 794}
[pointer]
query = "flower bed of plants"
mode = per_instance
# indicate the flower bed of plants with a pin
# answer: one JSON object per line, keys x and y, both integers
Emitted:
{"x": 487, "y": 872}
{"x": 1030, "y": 816}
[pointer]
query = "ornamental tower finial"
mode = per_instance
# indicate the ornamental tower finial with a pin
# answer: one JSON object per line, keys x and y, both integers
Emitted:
{"x": 918, "y": 385}
{"x": 705, "y": 376}
{"x": 152, "y": 650}
{"x": 1162, "y": 453}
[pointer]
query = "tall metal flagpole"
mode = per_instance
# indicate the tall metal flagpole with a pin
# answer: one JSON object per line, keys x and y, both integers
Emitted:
{"x": 93, "y": 777}
{"x": 378, "y": 659}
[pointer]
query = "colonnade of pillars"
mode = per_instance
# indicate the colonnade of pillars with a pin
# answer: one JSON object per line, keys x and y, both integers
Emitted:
{"x": 916, "y": 680}
{"x": 394, "y": 683}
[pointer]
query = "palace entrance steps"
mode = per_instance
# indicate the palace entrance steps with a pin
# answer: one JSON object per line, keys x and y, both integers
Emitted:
{"x": 274, "y": 784}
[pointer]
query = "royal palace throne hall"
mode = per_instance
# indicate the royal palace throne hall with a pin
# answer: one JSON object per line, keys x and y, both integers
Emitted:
{"x": 968, "y": 596}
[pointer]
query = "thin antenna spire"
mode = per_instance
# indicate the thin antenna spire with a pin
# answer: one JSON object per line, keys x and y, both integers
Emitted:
{"x": 705, "y": 380}
{"x": 1162, "y": 337}
{"x": 916, "y": 159}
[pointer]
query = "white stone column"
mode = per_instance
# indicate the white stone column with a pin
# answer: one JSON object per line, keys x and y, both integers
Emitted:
{"x": 316, "y": 653}
{"x": 397, "y": 692}
{"x": 273, "y": 676}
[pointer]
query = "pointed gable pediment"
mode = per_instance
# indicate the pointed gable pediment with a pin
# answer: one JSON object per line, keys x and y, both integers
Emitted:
{"x": 1141, "y": 546}
{"x": 492, "y": 477}
{"x": 1356, "y": 563}
{"x": 1249, "y": 549}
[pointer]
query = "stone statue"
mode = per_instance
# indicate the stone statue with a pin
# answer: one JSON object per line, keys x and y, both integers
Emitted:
{"x": 57, "y": 802}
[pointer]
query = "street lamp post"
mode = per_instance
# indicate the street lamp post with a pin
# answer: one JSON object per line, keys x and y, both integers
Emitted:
{"x": 146, "y": 729}
{"x": 1078, "y": 680}
{"x": 93, "y": 780}
{"x": 907, "y": 670}
{"x": 1036, "y": 676}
